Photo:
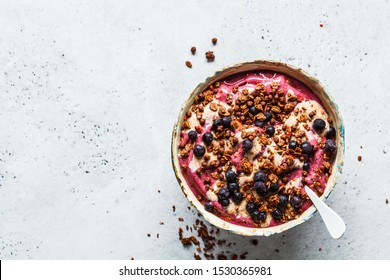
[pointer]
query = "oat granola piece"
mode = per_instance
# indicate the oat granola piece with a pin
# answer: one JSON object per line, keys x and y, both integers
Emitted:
{"x": 210, "y": 56}
{"x": 193, "y": 50}
{"x": 189, "y": 64}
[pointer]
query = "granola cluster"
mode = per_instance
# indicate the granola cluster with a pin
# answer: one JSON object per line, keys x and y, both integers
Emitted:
{"x": 249, "y": 145}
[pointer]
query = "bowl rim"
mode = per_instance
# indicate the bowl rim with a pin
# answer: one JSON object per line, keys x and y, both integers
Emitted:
{"x": 261, "y": 65}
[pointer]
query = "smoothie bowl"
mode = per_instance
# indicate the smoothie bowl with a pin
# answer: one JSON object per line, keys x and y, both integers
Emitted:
{"x": 249, "y": 139}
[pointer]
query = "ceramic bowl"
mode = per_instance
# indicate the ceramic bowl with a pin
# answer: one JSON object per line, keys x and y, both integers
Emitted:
{"x": 294, "y": 72}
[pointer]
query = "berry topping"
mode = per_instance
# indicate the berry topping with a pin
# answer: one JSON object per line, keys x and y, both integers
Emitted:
{"x": 283, "y": 200}
{"x": 274, "y": 187}
{"x": 259, "y": 123}
{"x": 331, "y": 132}
{"x": 260, "y": 188}
{"x": 224, "y": 202}
{"x": 199, "y": 150}
{"x": 233, "y": 187}
{"x": 217, "y": 123}
{"x": 307, "y": 148}
{"x": 258, "y": 216}
{"x": 253, "y": 110}
{"x": 192, "y": 135}
{"x": 226, "y": 121}
{"x": 296, "y": 201}
{"x": 250, "y": 207}
{"x": 238, "y": 197}
{"x": 277, "y": 214}
{"x": 247, "y": 145}
{"x": 270, "y": 130}
{"x": 209, "y": 207}
{"x": 292, "y": 145}
{"x": 306, "y": 166}
{"x": 260, "y": 176}
{"x": 319, "y": 125}
{"x": 268, "y": 115}
{"x": 223, "y": 193}
{"x": 231, "y": 176}
{"x": 207, "y": 138}
{"x": 330, "y": 146}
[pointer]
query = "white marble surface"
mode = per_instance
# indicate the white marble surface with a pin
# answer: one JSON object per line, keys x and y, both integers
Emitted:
{"x": 89, "y": 93}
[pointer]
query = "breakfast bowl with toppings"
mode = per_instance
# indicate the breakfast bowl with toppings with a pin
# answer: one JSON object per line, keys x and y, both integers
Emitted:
{"x": 247, "y": 142}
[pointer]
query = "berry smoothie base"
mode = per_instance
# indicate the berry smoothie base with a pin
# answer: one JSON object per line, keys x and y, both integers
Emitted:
{"x": 250, "y": 143}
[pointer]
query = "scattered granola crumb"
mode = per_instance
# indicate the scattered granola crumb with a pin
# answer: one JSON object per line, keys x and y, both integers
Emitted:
{"x": 188, "y": 64}
{"x": 197, "y": 257}
{"x": 361, "y": 147}
{"x": 158, "y": 235}
{"x": 193, "y": 50}
{"x": 161, "y": 222}
{"x": 214, "y": 40}
{"x": 158, "y": 191}
{"x": 181, "y": 219}
{"x": 243, "y": 256}
{"x": 387, "y": 201}
{"x": 132, "y": 258}
{"x": 255, "y": 242}
{"x": 173, "y": 208}
{"x": 320, "y": 249}
{"x": 359, "y": 158}
{"x": 210, "y": 56}
{"x": 186, "y": 241}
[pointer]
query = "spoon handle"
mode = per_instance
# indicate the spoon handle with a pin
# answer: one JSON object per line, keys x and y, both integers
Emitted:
{"x": 332, "y": 220}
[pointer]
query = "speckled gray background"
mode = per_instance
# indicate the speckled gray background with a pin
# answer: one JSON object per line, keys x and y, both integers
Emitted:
{"x": 89, "y": 93}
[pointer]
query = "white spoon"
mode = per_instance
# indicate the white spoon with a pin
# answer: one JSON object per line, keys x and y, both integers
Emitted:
{"x": 332, "y": 220}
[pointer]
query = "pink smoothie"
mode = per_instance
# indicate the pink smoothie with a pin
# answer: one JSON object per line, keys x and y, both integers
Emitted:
{"x": 304, "y": 108}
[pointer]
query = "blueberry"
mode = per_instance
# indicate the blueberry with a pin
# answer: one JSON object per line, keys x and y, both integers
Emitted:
{"x": 224, "y": 202}
{"x": 319, "y": 125}
{"x": 231, "y": 176}
{"x": 250, "y": 207}
{"x": 306, "y": 166}
{"x": 331, "y": 132}
{"x": 296, "y": 201}
{"x": 292, "y": 145}
{"x": 238, "y": 197}
{"x": 283, "y": 200}
{"x": 253, "y": 110}
{"x": 258, "y": 216}
{"x": 223, "y": 193}
{"x": 268, "y": 115}
{"x": 274, "y": 187}
{"x": 277, "y": 214}
{"x": 260, "y": 176}
{"x": 217, "y": 123}
{"x": 260, "y": 123}
{"x": 226, "y": 121}
{"x": 247, "y": 145}
{"x": 307, "y": 148}
{"x": 199, "y": 150}
{"x": 192, "y": 135}
{"x": 270, "y": 130}
{"x": 207, "y": 138}
{"x": 330, "y": 146}
{"x": 233, "y": 187}
{"x": 260, "y": 188}
{"x": 209, "y": 207}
